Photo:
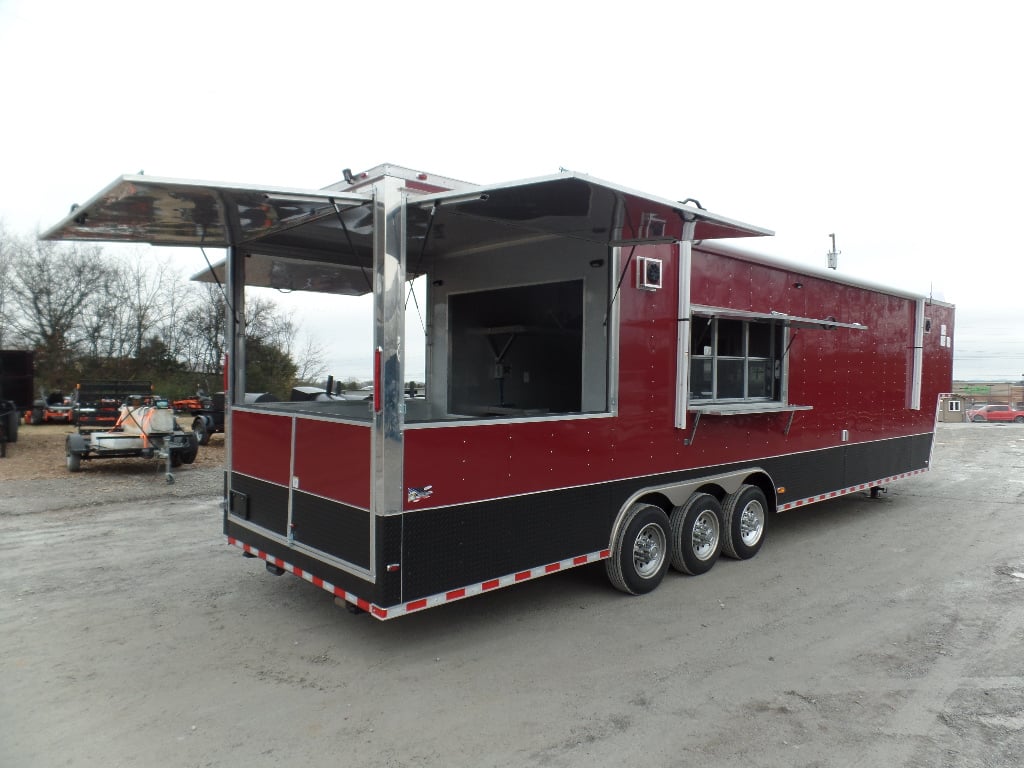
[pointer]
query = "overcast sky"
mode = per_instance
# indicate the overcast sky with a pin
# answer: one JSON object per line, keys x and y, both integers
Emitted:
{"x": 896, "y": 125}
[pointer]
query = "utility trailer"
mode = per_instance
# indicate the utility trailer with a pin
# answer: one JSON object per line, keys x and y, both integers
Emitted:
{"x": 606, "y": 380}
{"x": 123, "y": 419}
{"x": 207, "y": 411}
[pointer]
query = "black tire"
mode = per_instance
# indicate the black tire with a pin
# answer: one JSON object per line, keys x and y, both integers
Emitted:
{"x": 201, "y": 431}
{"x": 979, "y": 419}
{"x": 13, "y": 422}
{"x": 696, "y": 534}
{"x": 188, "y": 454}
{"x": 744, "y": 517}
{"x": 1018, "y": 419}
{"x": 74, "y": 461}
{"x": 640, "y": 553}
{"x": 37, "y": 416}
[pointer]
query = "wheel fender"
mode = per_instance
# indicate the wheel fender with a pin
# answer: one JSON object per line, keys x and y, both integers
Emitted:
{"x": 719, "y": 485}
{"x": 76, "y": 443}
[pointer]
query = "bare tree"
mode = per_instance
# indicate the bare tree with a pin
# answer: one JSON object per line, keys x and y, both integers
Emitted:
{"x": 150, "y": 293}
{"x": 86, "y": 313}
{"x": 265, "y": 320}
{"x": 50, "y": 288}
{"x": 7, "y": 247}
{"x": 310, "y": 361}
{"x": 204, "y": 330}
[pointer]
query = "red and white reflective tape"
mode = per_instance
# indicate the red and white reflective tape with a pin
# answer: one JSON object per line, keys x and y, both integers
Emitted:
{"x": 844, "y": 491}
{"x": 316, "y": 581}
{"x": 425, "y": 602}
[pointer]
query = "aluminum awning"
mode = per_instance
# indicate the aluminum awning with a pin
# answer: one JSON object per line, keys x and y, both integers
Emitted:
{"x": 177, "y": 212}
{"x": 578, "y": 206}
{"x": 322, "y": 240}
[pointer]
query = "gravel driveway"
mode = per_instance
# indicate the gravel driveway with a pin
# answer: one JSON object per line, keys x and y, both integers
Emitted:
{"x": 884, "y": 632}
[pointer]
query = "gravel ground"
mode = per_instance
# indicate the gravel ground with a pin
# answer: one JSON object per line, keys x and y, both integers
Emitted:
{"x": 867, "y": 632}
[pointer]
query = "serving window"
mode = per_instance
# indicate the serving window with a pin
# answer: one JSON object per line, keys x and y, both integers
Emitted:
{"x": 517, "y": 351}
{"x": 735, "y": 360}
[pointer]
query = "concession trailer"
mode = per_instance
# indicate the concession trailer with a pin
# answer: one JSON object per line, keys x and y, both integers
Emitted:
{"x": 606, "y": 378}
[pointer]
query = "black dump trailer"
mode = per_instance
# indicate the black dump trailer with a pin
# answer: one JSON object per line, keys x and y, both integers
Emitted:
{"x": 17, "y": 371}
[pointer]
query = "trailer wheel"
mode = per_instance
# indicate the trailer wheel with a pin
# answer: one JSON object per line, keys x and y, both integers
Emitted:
{"x": 188, "y": 454}
{"x": 74, "y": 461}
{"x": 696, "y": 534}
{"x": 201, "y": 431}
{"x": 744, "y": 515}
{"x": 640, "y": 552}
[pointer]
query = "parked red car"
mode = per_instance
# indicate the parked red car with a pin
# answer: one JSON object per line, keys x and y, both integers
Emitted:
{"x": 1001, "y": 413}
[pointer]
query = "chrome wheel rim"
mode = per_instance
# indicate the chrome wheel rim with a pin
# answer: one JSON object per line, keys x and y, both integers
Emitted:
{"x": 649, "y": 550}
{"x": 751, "y": 523}
{"x": 704, "y": 539}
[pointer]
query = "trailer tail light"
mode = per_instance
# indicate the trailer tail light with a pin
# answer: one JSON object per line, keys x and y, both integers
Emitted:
{"x": 378, "y": 356}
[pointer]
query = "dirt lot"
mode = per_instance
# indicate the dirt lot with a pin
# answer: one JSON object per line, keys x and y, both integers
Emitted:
{"x": 35, "y": 475}
{"x": 884, "y": 632}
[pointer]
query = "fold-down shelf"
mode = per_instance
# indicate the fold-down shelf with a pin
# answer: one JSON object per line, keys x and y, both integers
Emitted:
{"x": 742, "y": 409}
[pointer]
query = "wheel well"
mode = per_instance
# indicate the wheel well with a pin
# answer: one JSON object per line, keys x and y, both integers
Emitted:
{"x": 657, "y": 499}
{"x": 762, "y": 481}
{"x": 663, "y": 501}
{"x": 716, "y": 486}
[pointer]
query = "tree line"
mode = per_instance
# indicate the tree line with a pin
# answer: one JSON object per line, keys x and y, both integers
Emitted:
{"x": 90, "y": 314}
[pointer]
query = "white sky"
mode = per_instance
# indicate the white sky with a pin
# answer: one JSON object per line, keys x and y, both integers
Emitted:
{"x": 897, "y": 125}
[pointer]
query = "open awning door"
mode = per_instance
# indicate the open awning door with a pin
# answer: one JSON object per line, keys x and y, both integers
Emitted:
{"x": 323, "y": 240}
{"x": 791, "y": 321}
{"x": 175, "y": 212}
{"x": 572, "y": 205}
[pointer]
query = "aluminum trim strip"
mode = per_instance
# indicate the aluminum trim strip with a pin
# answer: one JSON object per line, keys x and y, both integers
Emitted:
{"x": 792, "y": 320}
{"x": 683, "y": 334}
{"x": 293, "y": 415}
{"x": 498, "y": 420}
{"x": 917, "y": 363}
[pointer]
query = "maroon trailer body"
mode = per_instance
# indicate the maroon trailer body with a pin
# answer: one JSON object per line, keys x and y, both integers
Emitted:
{"x": 602, "y": 381}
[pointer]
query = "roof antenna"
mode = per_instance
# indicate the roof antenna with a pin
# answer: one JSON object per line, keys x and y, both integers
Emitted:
{"x": 833, "y": 255}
